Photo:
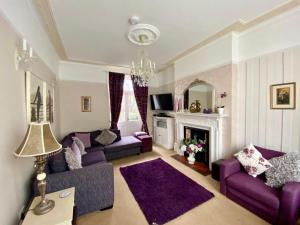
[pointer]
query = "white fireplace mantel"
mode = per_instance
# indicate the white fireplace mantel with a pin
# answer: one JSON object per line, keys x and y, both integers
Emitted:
{"x": 213, "y": 122}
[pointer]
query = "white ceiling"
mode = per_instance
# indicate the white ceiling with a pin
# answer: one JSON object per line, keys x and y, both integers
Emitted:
{"x": 95, "y": 30}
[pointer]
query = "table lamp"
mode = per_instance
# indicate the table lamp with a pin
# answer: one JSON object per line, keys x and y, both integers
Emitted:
{"x": 40, "y": 143}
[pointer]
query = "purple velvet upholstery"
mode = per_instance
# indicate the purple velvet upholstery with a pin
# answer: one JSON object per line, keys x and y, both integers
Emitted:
{"x": 267, "y": 153}
{"x": 276, "y": 206}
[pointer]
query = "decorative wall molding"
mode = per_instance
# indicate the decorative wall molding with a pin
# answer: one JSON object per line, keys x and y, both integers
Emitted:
{"x": 45, "y": 12}
{"x": 44, "y": 9}
{"x": 257, "y": 123}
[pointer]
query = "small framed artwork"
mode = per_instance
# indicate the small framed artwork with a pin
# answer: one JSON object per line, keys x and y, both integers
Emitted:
{"x": 283, "y": 96}
{"x": 86, "y": 103}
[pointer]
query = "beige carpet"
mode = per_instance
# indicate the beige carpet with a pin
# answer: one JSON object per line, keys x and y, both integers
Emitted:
{"x": 217, "y": 211}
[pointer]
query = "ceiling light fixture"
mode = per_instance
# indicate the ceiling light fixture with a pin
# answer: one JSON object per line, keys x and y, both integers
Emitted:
{"x": 143, "y": 69}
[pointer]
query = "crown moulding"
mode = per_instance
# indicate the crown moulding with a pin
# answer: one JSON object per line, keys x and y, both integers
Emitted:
{"x": 45, "y": 12}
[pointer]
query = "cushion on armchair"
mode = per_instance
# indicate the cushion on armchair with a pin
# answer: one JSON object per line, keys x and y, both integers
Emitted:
{"x": 253, "y": 161}
{"x": 285, "y": 169}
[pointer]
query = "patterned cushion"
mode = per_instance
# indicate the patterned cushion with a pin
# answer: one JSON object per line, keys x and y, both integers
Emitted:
{"x": 85, "y": 138}
{"x": 73, "y": 158}
{"x": 106, "y": 137}
{"x": 80, "y": 145}
{"x": 285, "y": 169}
{"x": 253, "y": 161}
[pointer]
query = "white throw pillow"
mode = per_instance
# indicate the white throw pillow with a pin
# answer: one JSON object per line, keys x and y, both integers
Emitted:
{"x": 80, "y": 145}
{"x": 253, "y": 161}
{"x": 73, "y": 158}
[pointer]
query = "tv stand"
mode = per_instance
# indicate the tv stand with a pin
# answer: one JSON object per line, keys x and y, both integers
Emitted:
{"x": 163, "y": 131}
{"x": 161, "y": 115}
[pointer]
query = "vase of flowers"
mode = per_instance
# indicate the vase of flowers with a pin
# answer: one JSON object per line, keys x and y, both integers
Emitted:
{"x": 191, "y": 158}
{"x": 221, "y": 106}
{"x": 191, "y": 147}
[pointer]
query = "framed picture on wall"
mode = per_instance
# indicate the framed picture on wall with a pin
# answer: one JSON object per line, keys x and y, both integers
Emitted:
{"x": 283, "y": 96}
{"x": 34, "y": 98}
{"x": 49, "y": 103}
{"x": 86, "y": 103}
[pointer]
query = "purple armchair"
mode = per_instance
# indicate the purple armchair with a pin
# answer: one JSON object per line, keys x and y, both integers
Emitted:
{"x": 277, "y": 206}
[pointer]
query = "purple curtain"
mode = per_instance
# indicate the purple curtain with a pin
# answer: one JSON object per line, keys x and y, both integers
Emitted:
{"x": 141, "y": 97}
{"x": 116, "y": 81}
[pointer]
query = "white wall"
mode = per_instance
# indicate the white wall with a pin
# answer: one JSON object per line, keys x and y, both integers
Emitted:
{"x": 15, "y": 173}
{"x": 82, "y": 72}
{"x": 258, "y": 123}
{"x": 276, "y": 34}
{"x": 79, "y": 79}
{"x": 22, "y": 16}
{"x": 163, "y": 77}
{"x": 215, "y": 54}
{"x": 279, "y": 33}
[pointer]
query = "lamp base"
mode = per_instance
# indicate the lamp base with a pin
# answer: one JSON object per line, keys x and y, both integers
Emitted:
{"x": 44, "y": 207}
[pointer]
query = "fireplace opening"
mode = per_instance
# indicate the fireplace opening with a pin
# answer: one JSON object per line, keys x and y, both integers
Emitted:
{"x": 202, "y": 136}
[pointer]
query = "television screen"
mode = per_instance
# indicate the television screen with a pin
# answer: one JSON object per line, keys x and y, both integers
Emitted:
{"x": 161, "y": 102}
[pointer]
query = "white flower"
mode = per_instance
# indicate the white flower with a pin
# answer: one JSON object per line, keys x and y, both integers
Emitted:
{"x": 183, "y": 148}
{"x": 193, "y": 147}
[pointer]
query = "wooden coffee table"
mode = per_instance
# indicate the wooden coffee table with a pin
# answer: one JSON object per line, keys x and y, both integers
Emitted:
{"x": 197, "y": 166}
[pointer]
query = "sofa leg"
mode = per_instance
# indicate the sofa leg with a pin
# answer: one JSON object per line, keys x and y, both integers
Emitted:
{"x": 109, "y": 207}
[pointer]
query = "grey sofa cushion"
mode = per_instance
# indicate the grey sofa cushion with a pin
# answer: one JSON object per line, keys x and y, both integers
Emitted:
{"x": 124, "y": 143}
{"x": 93, "y": 157}
{"x": 106, "y": 137}
{"x": 95, "y": 149}
{"x": 285, "y": 169}
{"x": 57, "y": 163}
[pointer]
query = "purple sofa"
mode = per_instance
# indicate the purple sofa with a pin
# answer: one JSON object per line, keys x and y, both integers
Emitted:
{"x": 121, "y": 147}
{"x": 277, "y": 206}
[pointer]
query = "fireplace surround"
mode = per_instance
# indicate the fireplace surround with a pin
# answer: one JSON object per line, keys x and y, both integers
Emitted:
{"x": 215, "y": 124}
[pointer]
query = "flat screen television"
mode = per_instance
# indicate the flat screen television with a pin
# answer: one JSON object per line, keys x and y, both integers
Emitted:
{"x": 162, "y": 102}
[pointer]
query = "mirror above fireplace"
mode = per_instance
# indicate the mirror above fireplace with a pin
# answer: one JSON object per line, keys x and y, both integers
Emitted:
{"x": 199, "y": 92}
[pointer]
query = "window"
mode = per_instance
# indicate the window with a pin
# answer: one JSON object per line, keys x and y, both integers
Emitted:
{"x": 129, "y": 109}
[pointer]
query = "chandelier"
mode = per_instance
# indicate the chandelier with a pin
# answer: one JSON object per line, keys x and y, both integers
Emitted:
{"x": 143, "y": 68}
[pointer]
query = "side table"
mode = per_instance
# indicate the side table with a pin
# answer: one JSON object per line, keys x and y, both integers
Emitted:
{"x": 61, "y": 214}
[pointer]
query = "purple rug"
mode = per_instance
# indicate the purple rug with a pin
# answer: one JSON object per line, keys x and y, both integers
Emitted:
{"x": 162, "y": 192}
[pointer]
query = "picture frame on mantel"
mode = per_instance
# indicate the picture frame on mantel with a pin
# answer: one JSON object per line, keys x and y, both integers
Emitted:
{"x": 86, "y": 102}
{"x": 283, "y": 96}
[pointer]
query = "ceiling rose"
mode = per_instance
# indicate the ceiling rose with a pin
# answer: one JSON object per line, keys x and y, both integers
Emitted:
{"x": 143, "y": 34}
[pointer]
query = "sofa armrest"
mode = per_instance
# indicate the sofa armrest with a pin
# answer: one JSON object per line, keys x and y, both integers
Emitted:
{"x": 94, "y": 186}
{"x": 228, "y": 167}
{"x": 290, "y": 204}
